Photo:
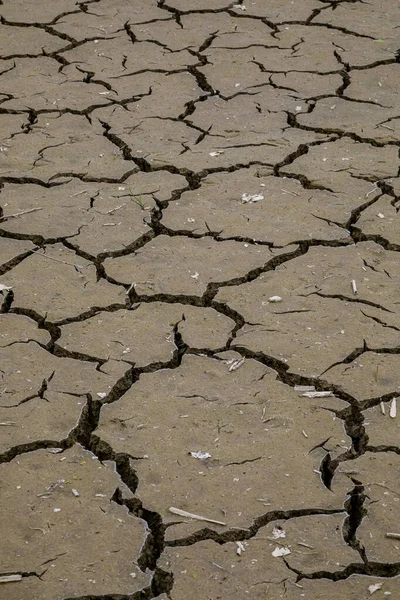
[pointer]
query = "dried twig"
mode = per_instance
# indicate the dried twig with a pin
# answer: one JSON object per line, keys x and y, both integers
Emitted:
{"x": 183, "y": 513}
{"x": 64, "y": 262}
{"x": 18, "y": 214}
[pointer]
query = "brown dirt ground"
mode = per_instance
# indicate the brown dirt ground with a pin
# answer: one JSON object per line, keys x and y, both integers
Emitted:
{"x": 200, "y": 236}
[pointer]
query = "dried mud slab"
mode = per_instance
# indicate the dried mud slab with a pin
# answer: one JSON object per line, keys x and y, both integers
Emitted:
{"x": 54, "y": 212}
{"x": 20, "y": 329}
{"x": 15, "y": 40}
{"x": 379, "y": 474}
{"x": 12, "y": 252}
{"x": 249, "y": 567}
{"x": 52, "y": 146}
{"x": 351, "y": 588}
{"x": 56, "y": 92}
{"x": 319, "y": 287}
{"x": 77, "y": 210}
{"x": 362, "y": 21}
{"x": 359, "y": 118}
{"x": 241, "y": 418}
{"x": 128, "y": 335}
{"x": 41, "y": 396}
{"x": 57, "y": 278}
{"x": 67, "y": 544}
{"x": 327, "y": 165}
{"x": 381, "y": 220}
{"x": 154, "y": 268}
{"x": 369, "y": 375}
{"x": 24, "y": 11}
{"x": 286, "y": 212}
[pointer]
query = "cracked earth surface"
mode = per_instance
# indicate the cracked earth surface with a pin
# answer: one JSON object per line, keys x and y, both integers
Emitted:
{"x": 168, "y": 169}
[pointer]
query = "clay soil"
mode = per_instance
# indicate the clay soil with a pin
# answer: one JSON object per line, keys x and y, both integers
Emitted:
{"x": 199, "y": 292}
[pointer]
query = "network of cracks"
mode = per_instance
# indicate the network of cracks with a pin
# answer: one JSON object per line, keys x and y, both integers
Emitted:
{"x": 199, "y": 280}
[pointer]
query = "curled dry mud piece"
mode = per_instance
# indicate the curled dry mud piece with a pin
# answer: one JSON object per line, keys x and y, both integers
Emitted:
{"x": 199, "y": 299}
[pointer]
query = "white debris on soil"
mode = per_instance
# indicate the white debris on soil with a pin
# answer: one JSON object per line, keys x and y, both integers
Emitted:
{"x": 240, "y": 548}
{"x": 317, "y": 394}
{"x": 200, "y": 455}
{"x": 277, "y": 533}
{"x": 374, "y": 588}
{"x": 280, "y": 552}
{"x": 393, "y": 408}
{"x": 235, "y": 364}
{"x": 275, "y": 299}
{"x": 5, "y": 288}
{"x": 249, "y": 198}
{"x": 10, "y": 578}
{"x": 184, "y": 513}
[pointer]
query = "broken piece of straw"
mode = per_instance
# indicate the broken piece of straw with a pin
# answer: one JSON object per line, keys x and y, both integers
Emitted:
{"x": 10, "y": 578}
{"x": 393, "y": 536}
{"x": 183, "y": 513}
{"x": 393, "y": 408}
{"x": 19, "y": 214}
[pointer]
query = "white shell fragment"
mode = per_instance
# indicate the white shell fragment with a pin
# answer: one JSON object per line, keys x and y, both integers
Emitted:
{"x": 275, "y": 299}
{"x": 393, "y": 408}
{"x": 280, "y": 552}
{"x": 184, "y": 513}
{"x": 249, "y": 198}
{"x": 200, "y": 455}
{"x": 374, "y": 588}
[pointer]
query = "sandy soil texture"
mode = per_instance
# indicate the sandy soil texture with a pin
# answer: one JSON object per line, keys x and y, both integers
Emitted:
{"x": 199, "y": 299}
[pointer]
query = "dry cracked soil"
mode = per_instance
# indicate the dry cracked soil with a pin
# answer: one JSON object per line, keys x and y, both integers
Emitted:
{"x": 199, "y": 292}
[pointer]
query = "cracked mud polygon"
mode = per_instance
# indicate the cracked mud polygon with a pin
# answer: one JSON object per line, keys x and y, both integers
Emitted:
{"x": 199, "y": 221}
